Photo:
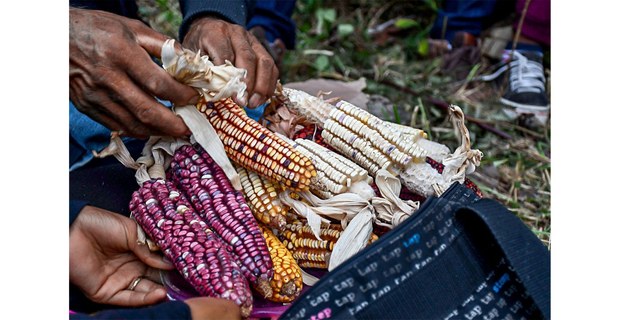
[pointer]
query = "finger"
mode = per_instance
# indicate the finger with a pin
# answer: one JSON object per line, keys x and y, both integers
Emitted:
{"x": 266, "y": 80}
{"x": 150, "y": 258}
{"x": 266, "y": 75}
{"x": 149, "y": 39}
{"x": 154, "y": 274}
{"x": 245, "y": 58}
{"x": 219, "y": 50}
{"x": 157, "y": 81}
{"x": 99, "y": 107}
{"x": 147, "y": 285}
{"x": 140, "y": 297}
{"x": 149, "y": 112}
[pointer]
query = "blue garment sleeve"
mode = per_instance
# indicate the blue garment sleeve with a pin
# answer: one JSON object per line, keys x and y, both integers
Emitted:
{"x": 234, "y": 11}
{"x": 275, "y": 16}
{"x": 125, "y": 8}
{"x": 470, "y": 16}
{"x": 85, "y": 135}
{"x": 165, "y": 310}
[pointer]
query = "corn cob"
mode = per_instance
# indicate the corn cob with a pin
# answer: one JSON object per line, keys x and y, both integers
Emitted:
{"x": 201, "y": 257}
{"x": 309, "y": 251}
{"x": 262, "y": 197}
{"x": 287, "y": 281}
{"x": 314, "y": 109}
{"x": 375, "y": 144}
{"x": 225, "y": 211}
{"x": 335, "y": 173}
{"x": 368, "y": 140}
{"x": 312, "y": 264}
{"x": 255, "y": 148}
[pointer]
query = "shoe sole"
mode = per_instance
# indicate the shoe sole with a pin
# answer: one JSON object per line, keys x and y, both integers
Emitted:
{"x": 541, "y": 114}
{"x": 524, "y": 106}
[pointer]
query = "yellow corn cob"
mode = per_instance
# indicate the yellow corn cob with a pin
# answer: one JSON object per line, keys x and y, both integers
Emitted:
{"x": 287, "y": 281}
{"x": 262, "y": 197}
{"x": 369, "y": 141}
{"x": 254, "y": 147}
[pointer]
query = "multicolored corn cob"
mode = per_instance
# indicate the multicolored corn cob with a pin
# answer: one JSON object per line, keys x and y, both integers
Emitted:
{"x": 262, "y": 197}
{"x": 201, "y": 257}
{"x": 287, "y": 280}
{"x": 254, "y": 147}
{"x": 224, "y": 210}
{"x": 308, "y": 251}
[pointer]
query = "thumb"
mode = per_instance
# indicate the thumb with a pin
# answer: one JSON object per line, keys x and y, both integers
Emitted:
{"x": 142, "y": 251}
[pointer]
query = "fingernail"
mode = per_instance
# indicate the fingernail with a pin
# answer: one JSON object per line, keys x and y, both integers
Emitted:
{"x": 194, "y": 100}
{"x": 256, "y": 100}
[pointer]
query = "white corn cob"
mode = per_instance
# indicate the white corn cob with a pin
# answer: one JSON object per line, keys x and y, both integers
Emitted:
{"x": 335, "y": 174}
{"x": 375, "y": 144}
{"x": 369, "y": 141}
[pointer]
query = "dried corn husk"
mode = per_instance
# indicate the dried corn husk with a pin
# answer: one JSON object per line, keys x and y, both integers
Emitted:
{"x": 353, "y": 239}
{"x": 214, "y": 83}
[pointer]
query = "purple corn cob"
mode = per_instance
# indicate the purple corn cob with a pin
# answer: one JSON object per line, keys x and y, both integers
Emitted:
{"x": 196, "y": 251}
{"x": 224, "y": 210}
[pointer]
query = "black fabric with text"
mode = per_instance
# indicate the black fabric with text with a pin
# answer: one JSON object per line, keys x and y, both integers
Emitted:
{"x": 458, "y": 257}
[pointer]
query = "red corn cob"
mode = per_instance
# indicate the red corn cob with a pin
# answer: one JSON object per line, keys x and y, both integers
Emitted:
{"x": 201, "y": 257}
{"x": 224, "y": 210}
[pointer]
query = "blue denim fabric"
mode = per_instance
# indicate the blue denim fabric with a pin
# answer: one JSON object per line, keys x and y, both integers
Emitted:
{"x": 468, "y": 16}
{"x": 275, "y": 17}
{"x": 85, "y": 135}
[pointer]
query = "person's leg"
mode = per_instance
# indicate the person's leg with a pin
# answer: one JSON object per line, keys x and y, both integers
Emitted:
{"x": 469, "y": 16}
{"x": 459, "y": 23}
{"x": 536, "y": 27}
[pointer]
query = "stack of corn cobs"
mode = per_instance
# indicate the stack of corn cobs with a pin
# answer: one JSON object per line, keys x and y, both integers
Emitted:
{"x": 242, "y": 213}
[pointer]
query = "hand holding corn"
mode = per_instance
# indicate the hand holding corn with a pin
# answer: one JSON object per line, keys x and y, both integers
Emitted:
{"x": 113, "y": 80}
{"x": 104, "y": 259}
{"x": 221, "y": 41}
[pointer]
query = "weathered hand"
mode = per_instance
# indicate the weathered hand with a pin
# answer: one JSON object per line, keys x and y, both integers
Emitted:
{"x": 226, "y": 41}
{"x": 113, "y": 80}
{"x": 105, "y": 258}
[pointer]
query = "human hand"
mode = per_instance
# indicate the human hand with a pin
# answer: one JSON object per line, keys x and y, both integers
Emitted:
{"x": 276, "y": 49}
{"x": 221, "y": 41}
{"x": 113, "y": 80}
{"x": 105, "y": 259}
{"x": 212, "y": 308}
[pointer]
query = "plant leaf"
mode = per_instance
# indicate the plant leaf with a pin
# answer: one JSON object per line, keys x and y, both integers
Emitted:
{"x": 321, "y": 63}
{"x": 345, "y": 29}
{"x": 405, "y": 23}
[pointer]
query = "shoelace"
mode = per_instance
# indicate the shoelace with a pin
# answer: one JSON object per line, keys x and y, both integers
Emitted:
{"x": 525, "y": 76}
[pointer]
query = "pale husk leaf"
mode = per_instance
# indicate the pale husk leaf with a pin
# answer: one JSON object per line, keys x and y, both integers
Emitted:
{"x": 215, "y": 82}
{"x": 353, "y": 239}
